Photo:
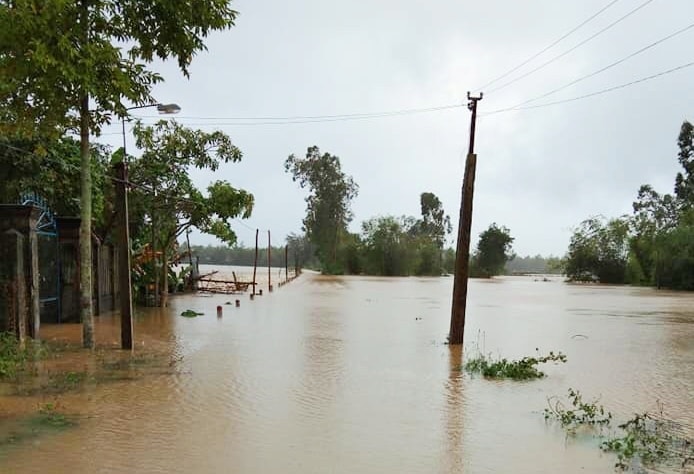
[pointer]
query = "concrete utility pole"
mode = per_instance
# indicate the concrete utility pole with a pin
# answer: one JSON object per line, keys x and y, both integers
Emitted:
{"x": 125, "y": 289}
{"x": 462, "y": 254}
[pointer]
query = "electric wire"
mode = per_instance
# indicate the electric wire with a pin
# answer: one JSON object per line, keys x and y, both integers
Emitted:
{"x": 592, "y": 94}
{"x": 548, "y": 47}
{"x": 555, "y": 58}
{"x": 609, "y": 66}
{"x": 310, "y": 119}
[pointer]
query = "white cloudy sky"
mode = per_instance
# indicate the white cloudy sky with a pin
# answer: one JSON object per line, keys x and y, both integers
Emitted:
{"x": 540, "y": 171}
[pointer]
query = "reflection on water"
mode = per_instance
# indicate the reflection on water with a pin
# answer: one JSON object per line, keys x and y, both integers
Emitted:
{"x": 352, "y": 375}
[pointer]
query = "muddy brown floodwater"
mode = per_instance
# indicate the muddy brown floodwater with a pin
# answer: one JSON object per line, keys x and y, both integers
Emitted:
{"x": 351, "y": 375}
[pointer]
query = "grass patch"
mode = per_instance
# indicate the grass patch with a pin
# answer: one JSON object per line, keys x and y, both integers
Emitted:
{"x": 189, "y": 313}
{"x": 523, "y": 369}
{"x": 645, "y": 440}
{"x": 48, "y": 419}
{"x": 13, "y": 358}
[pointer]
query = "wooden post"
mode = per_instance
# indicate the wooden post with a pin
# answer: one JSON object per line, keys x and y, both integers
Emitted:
{"x": 255, "y": 262}
{"x": 123, "y": 236}
{"x": 462, "y": 255}
{"x": 286, "y": 263}
{"x": 269, "y": 262}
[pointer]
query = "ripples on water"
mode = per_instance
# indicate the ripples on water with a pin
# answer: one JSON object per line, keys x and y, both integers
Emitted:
{"x": 352, "y": 375}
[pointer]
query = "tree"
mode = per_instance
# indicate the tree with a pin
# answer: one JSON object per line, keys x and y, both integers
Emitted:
{"x": 435, "y": 223}
{"x": 387, "y": 246}
{"x": 432, "y": 230}
{"x": 167, "y": 194}
{"x": 599, "y": 250}
{"x": 327, "y": 205}
{"x": 493, "y": 251}
{"x": 684, "y": 182}
{"x": 71, "y": 65}
{"x": 54, "y": 174}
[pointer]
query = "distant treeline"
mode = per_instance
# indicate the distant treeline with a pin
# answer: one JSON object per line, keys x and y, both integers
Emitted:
{"x": 536, "y": 264}
{"x": 242, "y": 256}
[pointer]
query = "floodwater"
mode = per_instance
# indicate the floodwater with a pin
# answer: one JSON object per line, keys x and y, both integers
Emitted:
{"x": 351, "y": 375}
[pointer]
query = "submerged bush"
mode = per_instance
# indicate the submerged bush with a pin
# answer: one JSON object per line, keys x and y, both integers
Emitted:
{"x": 580, "y": 413}
{"x": 523, "y": 369}
{"x": 649, "y": 440}
{"x": 646, "y": 439}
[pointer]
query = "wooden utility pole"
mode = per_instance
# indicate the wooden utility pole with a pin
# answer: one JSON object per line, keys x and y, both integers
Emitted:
{"x": 255, "y": 262}
{"x": 269, "y": 258}
{"x": 123, "y": 236}
{"x": 462, "y": 254}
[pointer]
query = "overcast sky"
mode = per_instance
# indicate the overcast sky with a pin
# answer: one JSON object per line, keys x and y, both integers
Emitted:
{"x": 540, "y": 171}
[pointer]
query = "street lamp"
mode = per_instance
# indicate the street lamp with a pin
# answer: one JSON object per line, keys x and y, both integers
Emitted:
{"x": 126, "y": 299}
{"x": 164, "y": 109}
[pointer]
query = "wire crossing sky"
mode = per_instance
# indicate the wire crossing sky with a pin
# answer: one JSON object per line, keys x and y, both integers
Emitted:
{"x": 384, "y": 87}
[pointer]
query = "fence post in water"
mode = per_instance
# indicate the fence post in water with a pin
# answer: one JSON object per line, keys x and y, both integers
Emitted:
{"x": 238, "y": 303}
{"x": 255, "y": 262}
{"x": 286, "y": 263}
{"x": 269, "y": 260}
{"x": 219, "y": 311}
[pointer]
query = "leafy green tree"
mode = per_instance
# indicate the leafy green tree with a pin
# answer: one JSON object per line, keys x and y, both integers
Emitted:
{"x": 684, "y": 182}
{"x": 431, "y": 231}
{"x": 435, "y": 223}
{"x": 167, "y": 194}
{"x": 327, "y": 205}
{"x": 493, "y": 251}
{"x": 71, "y": 65}
{"x": 387, "y": 249}
{"x": 54, "y": 174}
{"x": 599, "y": 250}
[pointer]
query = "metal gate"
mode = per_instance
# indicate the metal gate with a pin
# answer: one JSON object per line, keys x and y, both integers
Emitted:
{"x": 48, "y": 259}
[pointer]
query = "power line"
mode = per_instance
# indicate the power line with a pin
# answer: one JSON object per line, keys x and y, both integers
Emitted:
{"x": 555, "y": 58}
{"x": 312, "y": 119}
{"x": 548, "y": 47}
{"x": 609, "y": 66}
{"x": 593, "y": 94}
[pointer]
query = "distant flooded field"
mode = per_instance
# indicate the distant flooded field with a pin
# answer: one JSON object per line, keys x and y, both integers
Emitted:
{"x": 352, "y": 375}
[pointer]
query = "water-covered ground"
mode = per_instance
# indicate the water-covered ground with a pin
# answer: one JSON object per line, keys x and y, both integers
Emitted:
{"x": 352, "y": 375}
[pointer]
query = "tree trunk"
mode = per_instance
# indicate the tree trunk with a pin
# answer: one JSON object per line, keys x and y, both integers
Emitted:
{"x": 86, "y": 228}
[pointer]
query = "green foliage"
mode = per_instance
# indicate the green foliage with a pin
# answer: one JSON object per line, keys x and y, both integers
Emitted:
{"x": 649, "y": 440}
{"x": 53, "y": 173}
{"x": 387, "y": 246}
{"x": 189, "y": 313}
{"x": 13, "y": 358}
{"x": 434, "y": 224}
{"x": 49, "y": 416}
{"x": 493, "y": 251}
{"x": 56, "y": 52}
{"x": 645, "y": 439}
{"x": 167, "y": 203}
{"x": 684, "y": 182}
{"x": 327, "y": 205}
{"x": 598, "y": 251}
{"x": 579, "y": 413}
{"x": 523, "y": 369}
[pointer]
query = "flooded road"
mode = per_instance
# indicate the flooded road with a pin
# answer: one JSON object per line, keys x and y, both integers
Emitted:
{"x": 351, "y": 375}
